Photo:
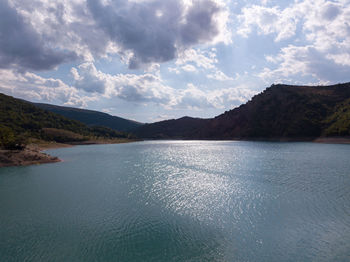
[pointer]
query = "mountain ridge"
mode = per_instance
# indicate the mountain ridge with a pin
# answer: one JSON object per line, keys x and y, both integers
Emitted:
{"x": 92, "y": 117}
{"x": 21, "y": 121}
{"x": 280, "y": 112}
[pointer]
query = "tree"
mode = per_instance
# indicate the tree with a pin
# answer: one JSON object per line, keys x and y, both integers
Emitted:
{"x": 8, "y": 139}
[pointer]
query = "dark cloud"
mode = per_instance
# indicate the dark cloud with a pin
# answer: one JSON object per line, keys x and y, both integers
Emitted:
{"x": 88, "y": 79}
{"x": 331, "y": 11}
{"x": 133, "y": 94}
{"x": 199, "y": 25}
{"x": 155, "y": 31}
{"x": 21, "y": 47}
{"x": 325, "y": 69}
{"x": 91, "y": 84}
{"x": 145, "y": 32}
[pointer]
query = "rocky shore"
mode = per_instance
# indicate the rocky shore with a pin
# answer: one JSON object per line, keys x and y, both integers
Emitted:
{"x": 28, "y": 156}
{"x": 33, "y": 155}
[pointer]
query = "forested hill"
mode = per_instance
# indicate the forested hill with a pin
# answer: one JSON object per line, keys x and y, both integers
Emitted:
{"x": 92, "y": 118}
{"x": 21, "y": 120}
{"x": 185, "y": 127}
{"x": 279, "y": 112}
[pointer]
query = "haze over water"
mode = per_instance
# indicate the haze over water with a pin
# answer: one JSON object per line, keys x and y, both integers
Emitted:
{"x": 180, "y": 201}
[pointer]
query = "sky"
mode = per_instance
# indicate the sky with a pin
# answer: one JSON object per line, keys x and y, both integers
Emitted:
{"x": 150, "y": 60}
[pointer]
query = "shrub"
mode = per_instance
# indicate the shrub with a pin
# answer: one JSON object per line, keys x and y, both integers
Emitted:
{"x": 9, "y": 140}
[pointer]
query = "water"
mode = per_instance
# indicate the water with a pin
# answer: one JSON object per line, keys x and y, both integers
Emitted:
{"x": 180, "y": 201}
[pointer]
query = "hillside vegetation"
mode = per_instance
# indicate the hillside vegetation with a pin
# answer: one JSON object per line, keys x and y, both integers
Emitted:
{"x": 185, "y": 127}
{"x": 92, "y": 118}
{"x": 279, "y": 112}
{"x": 21, "y": 121}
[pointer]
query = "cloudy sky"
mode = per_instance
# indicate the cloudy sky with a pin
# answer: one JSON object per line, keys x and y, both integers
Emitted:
{"x": 150, "y": 60}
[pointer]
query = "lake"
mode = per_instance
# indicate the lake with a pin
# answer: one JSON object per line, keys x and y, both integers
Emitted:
{"x": 180, "y": 201}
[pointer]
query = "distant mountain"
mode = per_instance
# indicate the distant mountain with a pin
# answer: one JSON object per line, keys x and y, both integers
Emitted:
{"x": 279, "y": 112}
{"x": 21, "y": 120}
{"x": 92, "y": 118}
{"x": 185, "y": 127}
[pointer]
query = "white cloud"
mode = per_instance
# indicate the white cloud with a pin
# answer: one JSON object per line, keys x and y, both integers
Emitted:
{"x": 161, "y": 117}
{"x": 321, "y": 52}
{"x": 195, "y": 98}
{"x": 323, "y": 22}
{"x": 36, "y": 88}
{"x": 130, "y": 87}
{"x": 306, "y": 61}
{"x": 174, "y": 70}
{"x": 202, "y": 59}
{"x": 150, "y": 88}
{"x": 220, "y": 76}
{"x": 230, "y": 97}
{"x": 191, "y": 98}
{"x": 268, "y": 20}
{"x": 189, "y": 68}
{"x": 193, "y": 60}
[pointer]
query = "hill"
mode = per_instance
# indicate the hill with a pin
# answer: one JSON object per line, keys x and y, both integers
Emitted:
{"x": 21, "y": 121}
{"x": 280, "y": 112}
{"x": 185, "y": 127}
{"x": 92, "y": 118}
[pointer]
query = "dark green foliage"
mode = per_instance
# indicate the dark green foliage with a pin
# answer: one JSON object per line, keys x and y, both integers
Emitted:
{"x": 8, "y": 140}
{"x": 106, "y": 132}
{"x": 92, "y": 118}
{"x": 339, "y": 122}
{"x": 20, "y": 120}
{"x": 279, "y": 112}
{"x": 174, "y": 128}
{"x": 22, "y": 117}
{"x": 61, "y": 135}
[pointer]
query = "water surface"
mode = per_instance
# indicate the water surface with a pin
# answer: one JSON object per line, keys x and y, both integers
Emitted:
{"x": 180, "y": 201}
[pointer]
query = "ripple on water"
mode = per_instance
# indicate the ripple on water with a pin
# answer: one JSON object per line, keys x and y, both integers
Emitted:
{"x": 180, "y": 201}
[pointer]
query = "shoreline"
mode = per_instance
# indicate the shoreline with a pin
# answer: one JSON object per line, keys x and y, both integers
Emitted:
{"x": 33, "y": 153}
{"x": 332, "y": 140}
{"x": 321, "y": 140}
{"x": 25, "y": 157}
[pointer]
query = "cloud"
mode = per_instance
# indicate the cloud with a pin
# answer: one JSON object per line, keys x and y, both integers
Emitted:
{"x": 42, "y": 34}
{"x": 194, "y": 59}
{"x": 322, "y": 47}
{"x": 268, "y": 20}
{"x": 220, "y": 76}
{"x": 36, "y": 88}
{"x": 202, "y": 59}
{"x": 191, "y": 98}
{"x": 89, "y": 79}
{"x": 161, "y": 117}
{"x": 319, "y": 20}
{"x": 158, "y": 31}
{"x": 22, "y": 47}
{"x": 306, "y": 61}
{"x": 230, "y": 97}
{"x": 129, "y": 87}
{"x": 150, "y": 88}
{"x": 189, "y": 68}
{"x": 195, "y": 98}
